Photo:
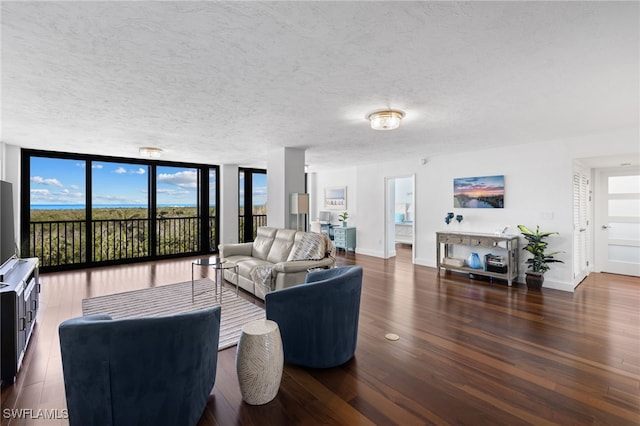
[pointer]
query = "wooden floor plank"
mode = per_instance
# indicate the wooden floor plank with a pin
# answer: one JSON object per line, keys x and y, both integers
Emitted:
{"x": 470, "y": 351}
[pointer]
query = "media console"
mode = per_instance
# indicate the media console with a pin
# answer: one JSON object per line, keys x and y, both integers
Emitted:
{"x": 20, "y": 300}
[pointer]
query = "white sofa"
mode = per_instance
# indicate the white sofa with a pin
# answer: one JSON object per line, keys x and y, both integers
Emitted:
{"x": 284, "y": 254}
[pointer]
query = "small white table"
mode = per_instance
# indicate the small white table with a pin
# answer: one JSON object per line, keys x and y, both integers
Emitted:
{"x": 259, "y": 361}
{"x": 218, "y": 264}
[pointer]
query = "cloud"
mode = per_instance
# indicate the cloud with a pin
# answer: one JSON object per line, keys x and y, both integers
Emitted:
{"x": 74, "y": 187}
{"x": 185, "y": 179}
{"x": 171, "y": 191}
{"x": 140, "y": 171}
{"x": 50, "y": 181}
{"x": 120, "y": 170}
{"x": 40, "y": 192}
{"x": 93, "y": 165}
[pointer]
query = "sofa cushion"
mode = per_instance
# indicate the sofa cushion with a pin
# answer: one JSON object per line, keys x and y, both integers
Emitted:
{"x": 263, "y": 242}
{"x": 246, "y": 266}
{"x": 282, "y": 244}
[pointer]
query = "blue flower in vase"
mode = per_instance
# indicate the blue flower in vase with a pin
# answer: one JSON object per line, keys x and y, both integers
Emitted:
{"x": 450, "y": 215}
{"x": 447, "y": 220}
{"x": 459, "y": 218}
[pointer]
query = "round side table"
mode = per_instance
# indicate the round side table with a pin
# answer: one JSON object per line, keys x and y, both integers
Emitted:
{"x": 259, "y": 361}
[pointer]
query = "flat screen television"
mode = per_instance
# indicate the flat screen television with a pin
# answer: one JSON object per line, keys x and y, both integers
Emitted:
{"x": 7, "y": 226}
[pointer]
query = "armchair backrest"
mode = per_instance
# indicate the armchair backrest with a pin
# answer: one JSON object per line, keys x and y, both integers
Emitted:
{"x": 142, "y": 371}
{"x": 318, "y": 320}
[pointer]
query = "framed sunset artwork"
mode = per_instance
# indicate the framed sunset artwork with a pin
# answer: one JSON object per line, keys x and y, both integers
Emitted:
{"x": 486, "y": 192}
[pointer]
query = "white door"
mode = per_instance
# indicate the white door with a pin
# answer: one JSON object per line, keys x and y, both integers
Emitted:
{"x": 618, "y": 221}
{"x": 581, "y": 220}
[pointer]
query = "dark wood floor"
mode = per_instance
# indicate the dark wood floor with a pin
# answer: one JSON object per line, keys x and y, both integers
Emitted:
{"x": 470, "y": 352}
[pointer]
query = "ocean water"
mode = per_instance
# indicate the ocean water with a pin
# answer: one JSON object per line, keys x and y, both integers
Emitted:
{"x": 100, "y": 206}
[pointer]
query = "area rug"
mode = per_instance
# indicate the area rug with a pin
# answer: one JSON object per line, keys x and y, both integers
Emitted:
{"x": 175, "y": 298}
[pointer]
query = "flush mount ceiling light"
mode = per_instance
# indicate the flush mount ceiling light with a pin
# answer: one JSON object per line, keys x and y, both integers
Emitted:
{"x": 386, "y": 120}
{"x": 150, "y": 152}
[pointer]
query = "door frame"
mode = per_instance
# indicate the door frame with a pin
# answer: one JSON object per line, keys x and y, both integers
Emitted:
{"x": 389, "y": 249}
{"x": 601, "y": 208}
{"x": 580, "y": 272}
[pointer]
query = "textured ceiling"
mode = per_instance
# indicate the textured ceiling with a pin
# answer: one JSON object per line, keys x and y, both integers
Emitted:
{"x": 226, "y": 82}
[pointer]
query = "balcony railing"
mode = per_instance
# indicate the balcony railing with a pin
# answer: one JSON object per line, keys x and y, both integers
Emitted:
{"x": 258, "y": 220}
{"x": 118, "y": 239}
{"x": 61, "y": 243}
{"x": 58, "y": 243}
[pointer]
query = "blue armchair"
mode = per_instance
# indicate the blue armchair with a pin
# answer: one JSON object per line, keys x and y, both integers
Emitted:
{"x": 318, "y": 320}
{"x": 139, "y": 371}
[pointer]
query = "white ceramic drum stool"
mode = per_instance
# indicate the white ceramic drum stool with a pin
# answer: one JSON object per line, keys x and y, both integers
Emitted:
{"x": 259, "y": 361}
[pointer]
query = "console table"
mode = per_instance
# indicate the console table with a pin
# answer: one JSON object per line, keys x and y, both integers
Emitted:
{"x": 20, "y": 300}
{"x": 504, "y": 246}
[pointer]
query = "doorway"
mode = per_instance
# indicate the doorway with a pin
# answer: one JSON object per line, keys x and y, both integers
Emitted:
{"x": 617, "y": 224}
{"x": 399, "y": 214}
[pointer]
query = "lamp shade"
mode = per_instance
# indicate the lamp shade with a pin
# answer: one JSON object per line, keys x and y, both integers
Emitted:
{"x": 299, "y": 203}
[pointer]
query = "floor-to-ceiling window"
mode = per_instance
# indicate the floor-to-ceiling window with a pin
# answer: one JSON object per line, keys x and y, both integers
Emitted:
{"x": 119, "y": 211}
{"x": 56, "y": 211}
{"x": 212, "y": 202}
{"x": 253, "y": 202}
{"x": 177, "y": 210}
{"x": 80, "y": 210}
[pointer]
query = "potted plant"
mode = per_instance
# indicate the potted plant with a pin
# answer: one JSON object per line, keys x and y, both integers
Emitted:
{"x": 342, "y": 217}
{"x": 539, "y": 262}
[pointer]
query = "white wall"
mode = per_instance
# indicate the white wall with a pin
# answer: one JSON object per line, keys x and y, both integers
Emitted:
{"x": 10, "y": 172}
{"x": 228, "y": 208}
{"x": 285, "y": 176}
{"x": 538, "y": 191}
{"x": 339, "y": 177}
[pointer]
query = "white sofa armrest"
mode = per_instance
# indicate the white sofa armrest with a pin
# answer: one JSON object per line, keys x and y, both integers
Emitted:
{"x": 302, "y": 265}
{"x": 239, "y": 249}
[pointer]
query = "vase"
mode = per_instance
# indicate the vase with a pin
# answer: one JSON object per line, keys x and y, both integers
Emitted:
{"x": 474, "y": 261}
{"x": 344, "y": 224}
{"x": 534, "y": 280}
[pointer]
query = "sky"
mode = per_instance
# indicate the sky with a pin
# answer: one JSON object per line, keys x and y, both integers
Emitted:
{"x": 61, "y": 181}
{"x": 479, "y": 186}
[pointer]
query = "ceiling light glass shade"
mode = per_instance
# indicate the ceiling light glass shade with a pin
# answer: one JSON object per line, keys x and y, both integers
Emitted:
{"x": 150, "y": 152}
{"x": 386, "y": 120}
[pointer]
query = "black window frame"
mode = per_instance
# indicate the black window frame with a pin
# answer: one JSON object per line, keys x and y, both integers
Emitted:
{"x": 205, "y": 230}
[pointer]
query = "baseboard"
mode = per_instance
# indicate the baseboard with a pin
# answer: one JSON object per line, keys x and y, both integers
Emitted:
{"x": 558, "y": 286}
{"x": 424, "y": 262}
{"x": 374, "y": 253}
